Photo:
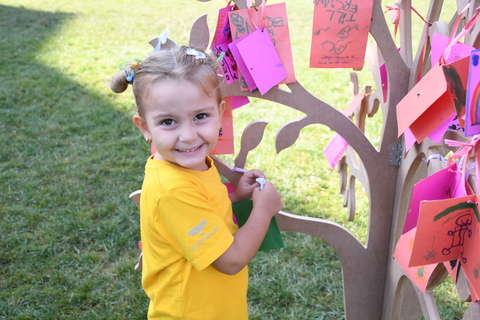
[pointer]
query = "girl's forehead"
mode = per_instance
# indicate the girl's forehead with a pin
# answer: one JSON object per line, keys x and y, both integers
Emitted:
{"x": 172, "y": 84}
{"x": 175, "y": 96}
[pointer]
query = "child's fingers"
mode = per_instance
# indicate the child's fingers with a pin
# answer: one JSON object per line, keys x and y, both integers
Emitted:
{"x": 253, "y": 174}
{"x": 250, "y": 176}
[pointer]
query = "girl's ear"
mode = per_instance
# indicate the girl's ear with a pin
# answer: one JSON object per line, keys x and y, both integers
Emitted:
{"x": 142, "y": 125}
{"x": 221, "y": 109}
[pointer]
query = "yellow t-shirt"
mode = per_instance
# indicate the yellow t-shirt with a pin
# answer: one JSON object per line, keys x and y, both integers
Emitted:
{"x": 186, "y": 224}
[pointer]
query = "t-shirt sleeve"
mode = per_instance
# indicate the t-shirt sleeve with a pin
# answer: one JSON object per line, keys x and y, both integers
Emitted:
{"x": 195, "y": 228}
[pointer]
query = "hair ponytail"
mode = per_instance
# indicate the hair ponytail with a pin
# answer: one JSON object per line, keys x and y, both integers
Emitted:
{"x": 118, "y": 83}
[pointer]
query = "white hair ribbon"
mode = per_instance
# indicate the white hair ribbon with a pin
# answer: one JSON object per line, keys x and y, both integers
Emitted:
{"x": 195, "y": 53}
{"x": 162, "y": 39}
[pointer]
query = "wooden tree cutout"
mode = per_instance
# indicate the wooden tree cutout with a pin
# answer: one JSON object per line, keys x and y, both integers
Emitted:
{"x": 375, "y": 287}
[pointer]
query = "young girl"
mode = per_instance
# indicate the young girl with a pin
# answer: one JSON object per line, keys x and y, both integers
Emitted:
{"x": 194, "y": 256}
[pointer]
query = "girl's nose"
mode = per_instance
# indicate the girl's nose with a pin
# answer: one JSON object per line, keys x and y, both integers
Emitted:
{"x": 188, "y": 133}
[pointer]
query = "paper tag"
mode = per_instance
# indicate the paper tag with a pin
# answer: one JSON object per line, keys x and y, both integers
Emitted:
{"x": 228, "y": 65}
{"x": 458, "y": 51}
{"x": 335, "y": 149}
{"x": 472, "y": 125}
{"x": 223, "y": 33}
{"x": 340, "y": 33}
{"x": 441, "y": 185}
{"x": 225, "y": 143}
{"x": 403, "y": 251}
{"x": 237, "y": 101}
{"x": 426, "y": 106}
{"x": 409, "y": 139}
{"x": 450, "y": 230}
{"x": 221, "y": 39}
{"x": 384, "y": 81}
{"x": 242, "y": 22}
{"x": 260, "y": 59}
{"x": 246, "y": 77}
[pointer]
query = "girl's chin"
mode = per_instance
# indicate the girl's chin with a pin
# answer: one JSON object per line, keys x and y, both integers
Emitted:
{"x": 193, "y": 162}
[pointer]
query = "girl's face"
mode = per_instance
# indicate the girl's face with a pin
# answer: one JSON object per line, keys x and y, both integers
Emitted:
{"x": 182, "y": 121}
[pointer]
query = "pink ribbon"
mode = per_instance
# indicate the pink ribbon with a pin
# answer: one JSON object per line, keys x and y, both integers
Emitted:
{"x": 467, "y": 149}
{"x": 453, "y": 41}
{"x": 262, "y": 8}
{"x": 397, "y": 19}
{"x": 424, "y": 49}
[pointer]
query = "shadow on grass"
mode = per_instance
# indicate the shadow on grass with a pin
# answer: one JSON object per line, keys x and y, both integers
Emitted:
{"x": 68, "y": 161}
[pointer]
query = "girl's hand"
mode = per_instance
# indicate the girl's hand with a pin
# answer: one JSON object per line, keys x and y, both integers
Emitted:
{"x": 248, "y": 238}
{"x": 246, "y": 185}
{"x": 267, "y": 201}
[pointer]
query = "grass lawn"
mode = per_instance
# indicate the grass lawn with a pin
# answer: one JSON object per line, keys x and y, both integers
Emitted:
{"x": 70, "y": 155}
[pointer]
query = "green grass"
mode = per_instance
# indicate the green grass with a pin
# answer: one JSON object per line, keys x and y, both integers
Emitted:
{"x": 70, "y": 155}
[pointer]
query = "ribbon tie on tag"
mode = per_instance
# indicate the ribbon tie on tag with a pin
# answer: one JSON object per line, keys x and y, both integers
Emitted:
{"x": 453, "y": 40}
{"x": 464, "y": 153}
{"x": 262, "y": 182}
{"x": 262, "y": 8}
{"x": 438, "y": 157}
{"x": 397, "y": 22}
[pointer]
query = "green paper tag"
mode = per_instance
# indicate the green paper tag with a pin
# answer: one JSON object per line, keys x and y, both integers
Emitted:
{"x": 273, "y": 238}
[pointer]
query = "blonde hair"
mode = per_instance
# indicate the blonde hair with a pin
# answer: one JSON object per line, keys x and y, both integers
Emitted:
{"x": 173, "y": 64}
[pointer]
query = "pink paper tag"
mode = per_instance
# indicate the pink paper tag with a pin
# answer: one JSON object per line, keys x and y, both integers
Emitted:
{"x": 261, "y": 60}
{"x": 472, "y": 125}
{"x": 221, "y": 39}
{"x": 384, "y": 81}
{"x": 335, "y": 149}
{"x": 440, "y": 42}
{"x": 440, "y": 185}
{"x": 237, "y": 101}
{"x": 409, "y": 139}
{"x": 222, "y": 31}
{"x": 437, "y": 135}
{"x": 229, "y": 67}
{"x": 241, "y": 64}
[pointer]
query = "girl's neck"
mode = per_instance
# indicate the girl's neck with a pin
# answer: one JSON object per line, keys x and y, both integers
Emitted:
{"x": 157, "y": 156}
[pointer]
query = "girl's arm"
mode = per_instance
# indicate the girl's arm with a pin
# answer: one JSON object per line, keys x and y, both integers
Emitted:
{"x": 249, "y": 237}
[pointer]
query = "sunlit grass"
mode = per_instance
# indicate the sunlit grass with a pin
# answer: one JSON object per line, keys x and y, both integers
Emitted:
{"x": 70, "y": 156}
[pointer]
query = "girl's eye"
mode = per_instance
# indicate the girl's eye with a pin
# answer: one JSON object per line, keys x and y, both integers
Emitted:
{"x": 201, "y": 116}
{"x": 167, "y": 122}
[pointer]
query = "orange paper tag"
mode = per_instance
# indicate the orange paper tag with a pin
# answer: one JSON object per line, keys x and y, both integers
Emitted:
{"x": 403, "y": 251}
{"x": 225, "y": 136}
{"x": 340, "y": 33}
{"x": 276, "y": 23}
{"x": 426, "y": 106}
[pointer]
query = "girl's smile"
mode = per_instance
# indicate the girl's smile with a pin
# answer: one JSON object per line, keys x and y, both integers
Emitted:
{"x": 182, "y": 121}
